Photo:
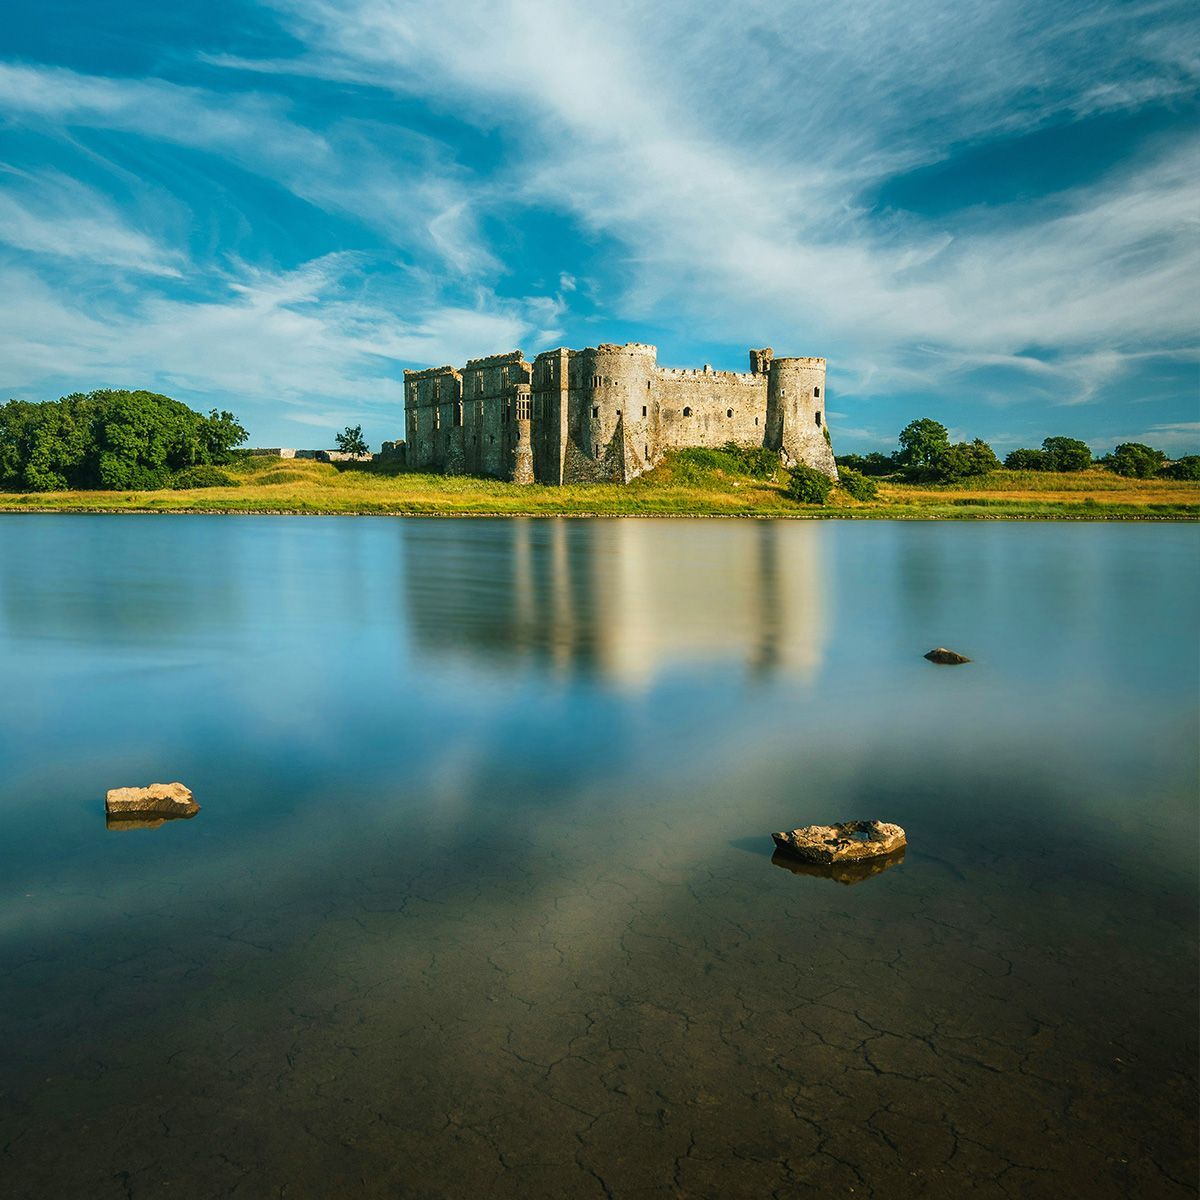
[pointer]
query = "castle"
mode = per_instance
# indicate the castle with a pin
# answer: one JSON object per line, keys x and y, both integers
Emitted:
{"x": 606, "y": 414}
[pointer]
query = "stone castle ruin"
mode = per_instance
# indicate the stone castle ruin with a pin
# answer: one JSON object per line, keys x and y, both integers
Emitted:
{"x": 606, "y": 414}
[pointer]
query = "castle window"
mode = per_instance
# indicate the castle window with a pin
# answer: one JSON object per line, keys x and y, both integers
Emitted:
{"x": 729, "y": 412}
{"x": 647, "y": 385}
{"x": 458, "y": 416}
{"x": 756, "y": 420}
{"x": 437, "y": 389}
{"x": 437, "y": 419}
{"x": 595, "y": 411}
{"x": 412, "y": 393}
{"x": 618, "y": 412}
{"x": 818, "y": 416}
{"x": 816, "y": 393}
{"x": 687, "y": 412}
{"x": 646, "y": 455}
{"x": 643, "y": 410}
{"x": 479, "y": 384}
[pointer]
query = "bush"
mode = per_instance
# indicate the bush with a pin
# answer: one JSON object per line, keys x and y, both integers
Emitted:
{"x": 808, "y": 485}
{"x": 202, "y": 477}
{"x": 1026, "y": 460}
{"x": 857, "y": 485}
{"x": 1135, "y": 461}
{"x": 1187, "y": 467}
{"x": 959, "y": 462}
{"x": 755, "y": 461}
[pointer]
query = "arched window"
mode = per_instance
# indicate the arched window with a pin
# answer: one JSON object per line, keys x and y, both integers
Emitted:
{"x": 687, "y": 412}
{"x": 729, "y": 412}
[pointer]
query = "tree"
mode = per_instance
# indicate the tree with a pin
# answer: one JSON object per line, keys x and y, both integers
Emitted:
{"x": 921, "y": 442}
{"x": 1067, "y": 454}
{"x": 1136, "y": 461}
{"x": 1187, "y": 467}
{"x": 808, "y": 485}
{"x": 961, "y": 461}
{"x": 351, "y": 441}
{"x": 1026, "y": 460}
{"x": 108, "y": 438}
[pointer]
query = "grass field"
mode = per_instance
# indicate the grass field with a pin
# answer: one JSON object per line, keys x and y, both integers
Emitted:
{"x": 686, "y": 484}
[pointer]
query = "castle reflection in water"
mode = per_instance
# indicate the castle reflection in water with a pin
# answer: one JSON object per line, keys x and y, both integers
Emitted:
{"x": 623, "y": 600}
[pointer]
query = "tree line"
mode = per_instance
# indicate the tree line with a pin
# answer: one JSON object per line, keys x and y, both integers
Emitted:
{"x": 111, "y": 439}
{"x": 926, "y": 455}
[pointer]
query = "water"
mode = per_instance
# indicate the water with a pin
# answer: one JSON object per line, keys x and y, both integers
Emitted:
{"x": 481, "y": 902}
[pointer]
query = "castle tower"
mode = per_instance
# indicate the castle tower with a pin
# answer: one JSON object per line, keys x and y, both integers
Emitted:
{"x": 621, "y": 416}
{"x": 796, "y": 413}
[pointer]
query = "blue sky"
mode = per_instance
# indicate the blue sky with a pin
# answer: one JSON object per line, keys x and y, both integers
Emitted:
{"x": 987, "y": 213}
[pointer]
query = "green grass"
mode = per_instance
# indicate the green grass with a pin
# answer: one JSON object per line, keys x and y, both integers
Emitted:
{"x": 687, "y": 483}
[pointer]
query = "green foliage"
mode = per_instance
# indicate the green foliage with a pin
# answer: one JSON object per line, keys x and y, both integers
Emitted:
{"x": 111, "y": 439}
{"x": 698, "y": 464}
{"x": 351, "y": 440}
{"x": 203, "y": 476}
{"x": 869, "y": 464}
{"x": 856, "y": 484}
{"x": 1136, "y": 461}
{"x": 756, "y": 461}
{"x": 921, "y": 442}
{"x": 962, "y": 461}
{"x": 1026, "y": 460}
{"x": 808, "y": 485}
{"x": 1187, "y": 468}
{"x": 1066, "y": 454}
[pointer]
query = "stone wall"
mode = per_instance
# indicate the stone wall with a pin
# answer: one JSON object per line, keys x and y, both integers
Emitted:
{"x": 607, "y": 413}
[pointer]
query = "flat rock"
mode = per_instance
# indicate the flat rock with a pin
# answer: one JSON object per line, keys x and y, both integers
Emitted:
{"x": 849, "y": 841}
{"x": 948, "y": 658}
{"x": 157, "y": 800}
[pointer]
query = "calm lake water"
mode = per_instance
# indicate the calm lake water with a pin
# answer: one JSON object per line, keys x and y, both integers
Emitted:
{"x": 481, "y": 901}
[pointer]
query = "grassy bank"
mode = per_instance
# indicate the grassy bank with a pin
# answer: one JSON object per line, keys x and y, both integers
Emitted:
{"x": 686, "y": 484}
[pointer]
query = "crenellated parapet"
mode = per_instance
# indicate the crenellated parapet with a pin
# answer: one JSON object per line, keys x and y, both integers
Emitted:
{"x": 608, "y": 412}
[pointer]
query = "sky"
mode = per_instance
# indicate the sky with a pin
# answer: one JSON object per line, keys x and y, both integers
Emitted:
{"x": 987, "y": 212}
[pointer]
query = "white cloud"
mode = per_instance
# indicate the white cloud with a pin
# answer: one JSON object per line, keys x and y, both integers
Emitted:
{"x": 727, "y": 156}
{"x": 54, "y": 215}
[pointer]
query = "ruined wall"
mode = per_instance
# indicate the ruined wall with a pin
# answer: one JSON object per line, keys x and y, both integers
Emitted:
{"x": 709, "y": 408}
{"x": 607, "y": 413}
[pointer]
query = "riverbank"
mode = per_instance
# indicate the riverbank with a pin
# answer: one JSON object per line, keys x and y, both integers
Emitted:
{"x": 679, "y": 487}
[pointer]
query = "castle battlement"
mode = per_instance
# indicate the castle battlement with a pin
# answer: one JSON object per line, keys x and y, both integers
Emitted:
{"x": 608, "y": 413}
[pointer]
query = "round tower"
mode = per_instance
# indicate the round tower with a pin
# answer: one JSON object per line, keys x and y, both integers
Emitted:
{"x": 621, "y": 406}
{"x": 796, "y": 413}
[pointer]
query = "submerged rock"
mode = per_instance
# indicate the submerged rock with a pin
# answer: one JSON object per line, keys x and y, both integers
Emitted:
{"x": 948, "y": 658}
{"x": 157, "y": 800}
{"x": 849, "y": 841}
{"x": 845, "y": 873}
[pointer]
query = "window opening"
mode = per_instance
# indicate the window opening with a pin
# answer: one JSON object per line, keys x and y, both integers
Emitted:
{"x": 729, "y": 412}
{"x": 818, "y": 416}
{"x": 816, "y": 393}
{"x": 643, "y": 410}
{"x": 687, "y": 412}
{"x": 595, "y": 412}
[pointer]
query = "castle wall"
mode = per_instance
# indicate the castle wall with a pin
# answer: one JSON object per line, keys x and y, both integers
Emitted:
{"x": 607, "y": 413}
{"x": 696, "y": 408}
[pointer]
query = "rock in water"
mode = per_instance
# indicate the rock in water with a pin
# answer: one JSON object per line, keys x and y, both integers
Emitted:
{"x": 847, "y": 842}
{"x": 157, "y": 800}
{"x": 948, "y": 658}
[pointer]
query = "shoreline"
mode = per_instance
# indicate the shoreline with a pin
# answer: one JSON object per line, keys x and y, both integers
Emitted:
{"x": 835, "y": 515}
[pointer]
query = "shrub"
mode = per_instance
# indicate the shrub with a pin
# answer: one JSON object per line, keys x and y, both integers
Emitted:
{"x": 1187, "y": 467}
{"x": 808, "y": 485}
{"x": 1026, "y": 460}
{"x": 857, "y": 485}
{"x": 756, "y": 461}
{"x": 202, "y": 476}
{"x": 1135, "y": 461}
